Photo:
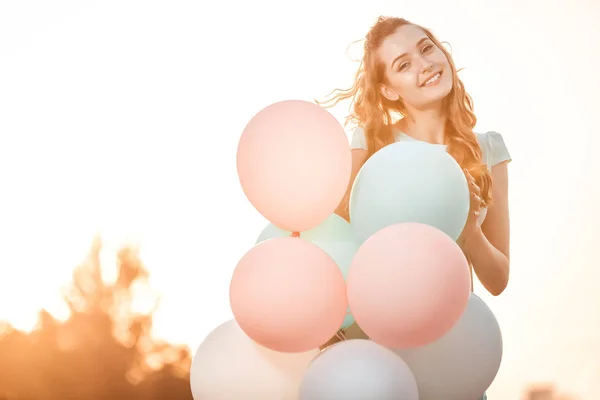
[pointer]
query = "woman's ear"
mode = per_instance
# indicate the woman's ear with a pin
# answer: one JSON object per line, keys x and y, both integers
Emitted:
{"x": 388, "y": 93}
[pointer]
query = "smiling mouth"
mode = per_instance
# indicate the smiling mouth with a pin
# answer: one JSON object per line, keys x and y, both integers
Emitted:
{"x": 433, "y": 79}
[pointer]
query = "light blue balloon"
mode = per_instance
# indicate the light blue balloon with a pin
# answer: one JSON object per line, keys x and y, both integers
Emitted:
{"x": 410, "y": 182}
{"x": 335, "y": 236}
{"x": 358, "y": 369}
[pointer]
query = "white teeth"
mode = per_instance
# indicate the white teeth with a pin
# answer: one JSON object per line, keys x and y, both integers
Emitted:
{"x": 433, "y": 79}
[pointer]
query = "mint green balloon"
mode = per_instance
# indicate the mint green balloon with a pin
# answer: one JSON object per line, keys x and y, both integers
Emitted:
{"x": 410, "y": 182}
{"x": 335, "y": 236}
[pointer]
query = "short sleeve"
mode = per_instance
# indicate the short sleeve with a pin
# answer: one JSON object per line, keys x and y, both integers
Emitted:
{"x": 359, "y": 139}
{"x": 498, "y": 150}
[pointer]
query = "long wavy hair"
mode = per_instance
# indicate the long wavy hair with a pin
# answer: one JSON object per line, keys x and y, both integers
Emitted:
{"x": 376, "y": 114}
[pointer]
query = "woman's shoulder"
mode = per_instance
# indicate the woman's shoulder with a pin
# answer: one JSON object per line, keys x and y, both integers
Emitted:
{"x": 493, "y": 148}
{"x": 359, "y": 138}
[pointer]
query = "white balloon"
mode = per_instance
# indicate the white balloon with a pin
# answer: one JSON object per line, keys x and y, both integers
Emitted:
{"x": 410, "y": 182}
{"x": 228, "y": 365}
{"x": 358, "y": 369}
{"x": 462, "y": 364}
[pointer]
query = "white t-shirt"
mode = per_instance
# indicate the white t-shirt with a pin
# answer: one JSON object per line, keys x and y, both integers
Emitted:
{"x": 493, "y": 148}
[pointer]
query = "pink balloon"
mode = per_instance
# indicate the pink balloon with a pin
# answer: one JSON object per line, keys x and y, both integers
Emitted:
{"x": 288, "y": 295}
{"x": 294, "y": 164}
{"x": 408, "y": 285}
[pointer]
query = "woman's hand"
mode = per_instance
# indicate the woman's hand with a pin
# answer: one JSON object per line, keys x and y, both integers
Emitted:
{"x": 476, "y": 204}
{"x": 488, "y": 262}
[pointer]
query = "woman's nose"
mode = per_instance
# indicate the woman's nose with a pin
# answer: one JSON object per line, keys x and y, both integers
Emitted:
{"x": 427, "y": 67}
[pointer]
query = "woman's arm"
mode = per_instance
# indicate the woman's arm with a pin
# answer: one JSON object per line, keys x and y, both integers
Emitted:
{"x": 359, "y": 156}
{"x": 488, "y": 247}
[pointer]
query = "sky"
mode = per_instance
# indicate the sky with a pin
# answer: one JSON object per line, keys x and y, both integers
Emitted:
{"x": 122, "y": 118}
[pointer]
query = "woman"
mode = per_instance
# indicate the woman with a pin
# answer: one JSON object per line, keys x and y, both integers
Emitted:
{"x": 407, "y": 88}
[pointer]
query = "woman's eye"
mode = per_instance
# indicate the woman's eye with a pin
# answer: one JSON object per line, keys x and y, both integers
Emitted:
{"x": 403, "y": 66}
{"x": 426, "y": 48}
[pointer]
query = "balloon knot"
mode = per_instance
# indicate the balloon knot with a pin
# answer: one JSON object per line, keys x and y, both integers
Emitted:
{"x": 295, "y": 234}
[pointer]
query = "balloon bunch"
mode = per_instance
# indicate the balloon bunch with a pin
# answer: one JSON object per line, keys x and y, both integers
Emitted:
{"x": 395, "y": 271}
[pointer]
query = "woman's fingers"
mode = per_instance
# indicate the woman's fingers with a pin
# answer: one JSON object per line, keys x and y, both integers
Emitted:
{"x": 472, "y": 182}
{"x": 476, "y": 188}
{"x": 477, "y": 202}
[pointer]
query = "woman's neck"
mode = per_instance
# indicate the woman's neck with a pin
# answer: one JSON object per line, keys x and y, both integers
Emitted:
{"x": 425, "y": 125}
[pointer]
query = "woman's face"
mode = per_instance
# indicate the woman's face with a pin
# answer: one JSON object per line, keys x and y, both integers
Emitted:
{"x": 417, "y": 71}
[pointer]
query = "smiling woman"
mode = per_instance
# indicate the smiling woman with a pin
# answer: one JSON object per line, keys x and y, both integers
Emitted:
{"x": 407, "y": 88}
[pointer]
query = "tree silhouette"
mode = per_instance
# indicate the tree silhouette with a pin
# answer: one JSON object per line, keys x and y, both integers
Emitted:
{"x": 103, "y": 351}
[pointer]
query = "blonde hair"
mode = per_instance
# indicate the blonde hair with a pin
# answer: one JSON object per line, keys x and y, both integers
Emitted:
{"x": 372, "y": 111}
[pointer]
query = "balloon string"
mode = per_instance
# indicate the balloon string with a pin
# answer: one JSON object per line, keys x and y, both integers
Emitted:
{"x": 340, "y": 335}
{"x": 295, "y": 234}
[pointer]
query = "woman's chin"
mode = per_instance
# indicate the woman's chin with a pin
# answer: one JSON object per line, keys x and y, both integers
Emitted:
{"x": 435, "y": 98}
